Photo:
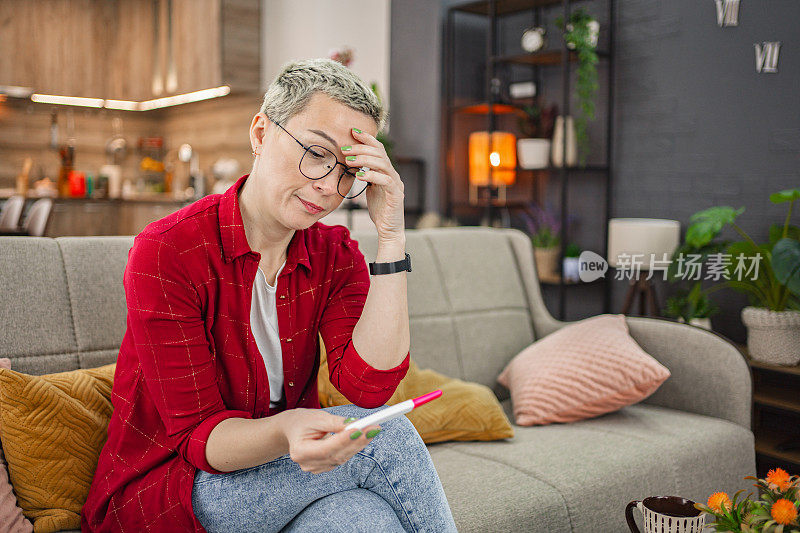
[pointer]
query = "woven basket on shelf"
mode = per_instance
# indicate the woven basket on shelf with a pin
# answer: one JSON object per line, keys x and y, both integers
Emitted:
{"x": 773, "y": 336}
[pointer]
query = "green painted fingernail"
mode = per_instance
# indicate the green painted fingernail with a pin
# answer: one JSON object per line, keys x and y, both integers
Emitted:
{"x": 351, "y": 158}
{"x": 346, "y": 148}
{"x": 348, "y": 420}
{"x": 360, "y": 173}
{"x": 355, "y": 434}
{"x": 356, "y": 130}
{"x": 371, "y": 433}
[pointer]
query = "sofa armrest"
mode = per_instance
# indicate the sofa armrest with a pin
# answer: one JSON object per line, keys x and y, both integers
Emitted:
{"x": 710, "y": 376}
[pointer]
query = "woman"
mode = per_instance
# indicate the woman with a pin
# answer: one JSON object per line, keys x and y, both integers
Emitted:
{"x": 216, "y": 423}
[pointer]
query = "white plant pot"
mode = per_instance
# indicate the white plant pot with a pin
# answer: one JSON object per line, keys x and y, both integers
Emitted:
{"x": 704, "y": 323}
{"x": 557, "y": 151}
{"x": 571, "y": 269}
{"x": 533, "y": 153}
{"x": 594, "y": 32}
{"x": 773, "y": 336}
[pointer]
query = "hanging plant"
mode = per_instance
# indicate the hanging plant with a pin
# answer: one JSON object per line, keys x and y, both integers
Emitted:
{"x": 580, "y": 34}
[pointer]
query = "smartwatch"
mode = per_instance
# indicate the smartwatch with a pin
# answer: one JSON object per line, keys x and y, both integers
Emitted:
{"x": 391, "y": 268}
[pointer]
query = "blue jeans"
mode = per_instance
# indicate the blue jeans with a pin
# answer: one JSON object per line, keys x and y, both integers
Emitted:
{"x": 389, "y": 486}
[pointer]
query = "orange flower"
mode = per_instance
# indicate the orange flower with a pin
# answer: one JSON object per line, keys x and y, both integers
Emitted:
{"x": 780, "y": 478}
{"x": 784, "y": 512}
{"x": 717, "y": 500}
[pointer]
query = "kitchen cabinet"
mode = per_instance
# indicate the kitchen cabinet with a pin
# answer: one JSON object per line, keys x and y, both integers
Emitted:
{"x": 130, "y": 49}
{"x": 81, "y": 217}
{"x": 55, "y": 46}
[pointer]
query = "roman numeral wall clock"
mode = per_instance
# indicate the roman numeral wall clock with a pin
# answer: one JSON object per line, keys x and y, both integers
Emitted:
{"x": 766, "y": 52}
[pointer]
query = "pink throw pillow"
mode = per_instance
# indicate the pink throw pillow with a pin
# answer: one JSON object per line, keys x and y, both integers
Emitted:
{"x": 583, "y": 370}
{"x": 11, "y": 517}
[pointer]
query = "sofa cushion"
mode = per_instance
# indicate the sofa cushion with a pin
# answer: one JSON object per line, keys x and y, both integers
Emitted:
{"x": 466, "y": 411}
{"x": 579, "y": 476}
{"x": 585, "y": 369}
{"x": 97, "y": 295}
{"x": 35, "y": 298}
{"x": 487, "y": 495}
{"x": 468, "y": 307}
{"x": 53, "y": 428}
{"x": 11, "y": 517}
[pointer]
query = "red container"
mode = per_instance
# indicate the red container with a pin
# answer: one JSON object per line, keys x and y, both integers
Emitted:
{"x": 77, "y": 184}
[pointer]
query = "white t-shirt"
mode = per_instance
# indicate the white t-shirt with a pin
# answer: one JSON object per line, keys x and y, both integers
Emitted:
{"x": 264, "y": 326}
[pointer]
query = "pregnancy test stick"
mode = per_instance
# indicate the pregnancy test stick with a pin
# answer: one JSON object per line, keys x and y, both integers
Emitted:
{"x": 393, "y": 411}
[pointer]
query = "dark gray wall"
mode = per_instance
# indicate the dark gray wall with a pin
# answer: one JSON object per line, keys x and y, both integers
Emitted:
{"x": 694, "y": 124}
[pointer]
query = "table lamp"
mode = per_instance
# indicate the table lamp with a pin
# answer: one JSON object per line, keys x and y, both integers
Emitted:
{"x": 642, "y": 244}
{"x": 497, "y": 158}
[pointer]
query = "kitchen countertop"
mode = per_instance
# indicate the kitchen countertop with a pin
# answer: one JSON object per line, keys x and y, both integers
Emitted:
{"x": 159, "y": 198}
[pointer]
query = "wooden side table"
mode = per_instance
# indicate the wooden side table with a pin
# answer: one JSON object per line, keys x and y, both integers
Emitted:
{"x": 776, "y": 415}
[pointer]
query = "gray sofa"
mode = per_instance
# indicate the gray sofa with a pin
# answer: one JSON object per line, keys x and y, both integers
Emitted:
{"x": 474, "y": 303}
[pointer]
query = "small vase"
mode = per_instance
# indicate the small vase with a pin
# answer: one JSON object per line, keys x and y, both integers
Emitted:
{"x": 533, "y": 153}
{"x": 571, "y": 269}
{"x": 773, "y": 336}
{"x": 558, "y": 142}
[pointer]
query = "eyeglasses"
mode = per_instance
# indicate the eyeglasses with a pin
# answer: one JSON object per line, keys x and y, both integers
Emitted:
{"x": 317, "y": 162}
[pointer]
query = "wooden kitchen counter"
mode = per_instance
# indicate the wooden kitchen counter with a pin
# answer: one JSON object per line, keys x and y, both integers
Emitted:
{"x": 106, "y": 216}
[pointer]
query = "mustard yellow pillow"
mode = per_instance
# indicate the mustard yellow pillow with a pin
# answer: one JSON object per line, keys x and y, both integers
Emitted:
{"x": 465, "y": 411}
{"x": 53, "y": 428}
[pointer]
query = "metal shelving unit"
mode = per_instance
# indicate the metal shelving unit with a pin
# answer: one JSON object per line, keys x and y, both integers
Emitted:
{"x": 492, "y": 107}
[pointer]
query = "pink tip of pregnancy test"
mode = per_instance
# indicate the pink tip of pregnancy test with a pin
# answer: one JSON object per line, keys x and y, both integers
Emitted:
{"x": 425, "y": 398}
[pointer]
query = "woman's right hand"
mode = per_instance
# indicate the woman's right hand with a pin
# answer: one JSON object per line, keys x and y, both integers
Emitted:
{"x": 311, "y": 446}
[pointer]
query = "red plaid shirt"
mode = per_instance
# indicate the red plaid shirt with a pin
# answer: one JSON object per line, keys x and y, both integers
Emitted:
{"x": 188, "y": 359}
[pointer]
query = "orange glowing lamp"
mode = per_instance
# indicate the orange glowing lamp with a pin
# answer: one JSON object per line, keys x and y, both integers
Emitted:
{"x": 501, "y": 156}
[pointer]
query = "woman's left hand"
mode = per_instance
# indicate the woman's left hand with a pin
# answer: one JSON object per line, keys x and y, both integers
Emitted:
{"x": 385, "y": 192}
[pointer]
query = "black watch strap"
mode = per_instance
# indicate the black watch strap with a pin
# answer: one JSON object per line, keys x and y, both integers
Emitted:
{"x": 391, "y": 268}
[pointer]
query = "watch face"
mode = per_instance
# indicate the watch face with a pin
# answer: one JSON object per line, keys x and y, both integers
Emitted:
{"x": 533, "y": 39}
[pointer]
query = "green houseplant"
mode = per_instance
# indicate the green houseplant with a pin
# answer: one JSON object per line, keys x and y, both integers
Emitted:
{"x": 768, "y": 273}
{"x": 580, "y": 33}
{"x": 536, "y": 123}
{"x": 544, "y": 230}
{"x": 692, "y": 306}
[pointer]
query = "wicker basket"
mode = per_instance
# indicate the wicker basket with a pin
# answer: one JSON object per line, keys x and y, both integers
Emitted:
{"x": 773, "y": 336}
{"x": 547, "y": 262}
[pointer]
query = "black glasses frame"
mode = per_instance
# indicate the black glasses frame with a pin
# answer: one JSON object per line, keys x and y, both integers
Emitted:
{"x": 346, "y": 169}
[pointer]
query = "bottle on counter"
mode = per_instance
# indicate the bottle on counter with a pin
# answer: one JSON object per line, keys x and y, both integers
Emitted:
{"x": 23, "y": 179}
{"x": 196, "y": 179}
{"x": 89, "y": 185}
{"x": 67, "y": 154}
{"x": 114, "y": 175}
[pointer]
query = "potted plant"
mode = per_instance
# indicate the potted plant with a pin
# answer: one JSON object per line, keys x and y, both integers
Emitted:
{"x": 536, "y": 127}
{"x": 580, "y": 33}
{"x": 775, "y": 510}
{"x": 571, "y": 266}
{"x": 771, "y": 280}
{"x": 692, "y": 306}
{"x": 544, "y": 228}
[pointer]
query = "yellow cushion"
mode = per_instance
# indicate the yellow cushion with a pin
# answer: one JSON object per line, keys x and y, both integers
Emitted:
{"x": 465, "y": 411}
{"x": 53, "y": 428}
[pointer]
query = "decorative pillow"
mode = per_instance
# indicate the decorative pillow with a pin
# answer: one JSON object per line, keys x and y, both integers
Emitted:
{"x": 583, "y": 370}
{"x": 53, "y": 428}
{"x": 465, "y": 411}
{"x": 11, "y": 518}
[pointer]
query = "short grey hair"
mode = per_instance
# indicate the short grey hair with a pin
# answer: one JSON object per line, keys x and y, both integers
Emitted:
{"x": 292, "y": 88}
